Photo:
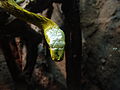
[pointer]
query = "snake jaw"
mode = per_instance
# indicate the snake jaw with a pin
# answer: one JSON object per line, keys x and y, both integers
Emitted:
{"x": 56, "y": 40}
{"x": 57, "y": 53}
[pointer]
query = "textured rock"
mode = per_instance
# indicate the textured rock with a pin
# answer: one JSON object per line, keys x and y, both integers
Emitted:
{"x": 100, "y": 22}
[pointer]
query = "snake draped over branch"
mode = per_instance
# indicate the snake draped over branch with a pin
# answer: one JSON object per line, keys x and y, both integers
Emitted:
{"x": 53, "y": 34}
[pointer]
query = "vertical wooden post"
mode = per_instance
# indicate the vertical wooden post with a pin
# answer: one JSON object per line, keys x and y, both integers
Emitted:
{"x": 10, "y": 57}
{"x": 73, "y": 43}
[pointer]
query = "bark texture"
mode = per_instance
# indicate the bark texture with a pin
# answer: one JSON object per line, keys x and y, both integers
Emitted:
{"x": 73, "y": 42}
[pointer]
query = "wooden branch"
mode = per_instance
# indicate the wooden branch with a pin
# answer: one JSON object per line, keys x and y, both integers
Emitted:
{"x": 73, "y": 43}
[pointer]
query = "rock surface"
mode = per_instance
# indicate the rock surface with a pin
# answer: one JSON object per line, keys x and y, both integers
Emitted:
{"x": 100, "y": 23}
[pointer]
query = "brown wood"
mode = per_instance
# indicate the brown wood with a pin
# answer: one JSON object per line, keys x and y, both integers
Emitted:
{"x": 73, "y": 43}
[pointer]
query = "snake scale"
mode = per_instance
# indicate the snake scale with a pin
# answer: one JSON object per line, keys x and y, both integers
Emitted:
{"x": 54, "y": 36}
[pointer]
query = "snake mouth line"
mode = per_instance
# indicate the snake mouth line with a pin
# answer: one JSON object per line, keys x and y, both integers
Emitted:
{"x": 57, "y": 53}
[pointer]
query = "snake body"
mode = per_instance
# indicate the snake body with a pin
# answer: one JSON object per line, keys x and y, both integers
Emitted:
{"x": 53, "y": 34}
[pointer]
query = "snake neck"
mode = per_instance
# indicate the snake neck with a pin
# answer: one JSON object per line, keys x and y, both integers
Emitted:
{"x": 16, "y": 10}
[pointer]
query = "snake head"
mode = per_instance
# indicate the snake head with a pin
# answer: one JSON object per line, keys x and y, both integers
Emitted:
{"x": 56, "y": 40}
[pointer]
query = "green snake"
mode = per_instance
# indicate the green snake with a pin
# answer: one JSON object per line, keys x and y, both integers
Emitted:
{"x": 53, "y": 34}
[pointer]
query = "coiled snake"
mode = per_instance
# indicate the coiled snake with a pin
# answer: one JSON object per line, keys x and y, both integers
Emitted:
{"x": 53, "y": 34}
